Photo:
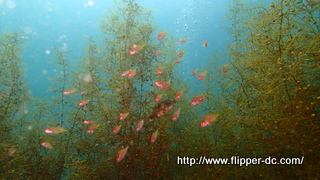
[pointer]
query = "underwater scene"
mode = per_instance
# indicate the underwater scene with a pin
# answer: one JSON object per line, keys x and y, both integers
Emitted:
{"x": 138, "y": 89}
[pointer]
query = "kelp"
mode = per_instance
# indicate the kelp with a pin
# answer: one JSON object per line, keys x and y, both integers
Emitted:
{"x": 269, "y": 96}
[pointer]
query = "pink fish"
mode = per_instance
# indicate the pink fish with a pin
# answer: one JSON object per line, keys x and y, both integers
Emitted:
{"x": 159, "y": 71}
{"x": 162, "y": 35}
{"x": 182, "y": 41}
{"x": 178, "y": 61}
{"x": 176, "y": 114}
{"x": 181, "y": 53}
{"x": 205, "y": 43}
{"x": 93, "y": 127}
{"x": 123, "y": 116}
{"x": 154, "y": 137}
{"x": 179, "y": 94}
{"x": 163, "y": 84}
{"x": 83, "y": 102}
{"x": 69, "y": 91}
{"x": 54, "y": 130}
{"x": 47, "y": 145}
{"x": 208, "y": 119}
{"x": 224, "y": 68}
{"x": 158, "y": 53}
{"x": 196, "y": 100}
{"x": 158, "y": 98}
{"x": 88, "y": 121}
{"x": 139, "y": 125}
{"x": 121, "y": 154}
{"x": 135, "y": 49}
{"x": 202, "y": 75}
{"x": 116, "y": 129}
{"x": 130, "y": 73}
{"x": 194, "y": 72}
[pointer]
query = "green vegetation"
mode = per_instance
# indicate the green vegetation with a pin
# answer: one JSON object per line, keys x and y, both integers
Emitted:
{"x": 268, "y": 101}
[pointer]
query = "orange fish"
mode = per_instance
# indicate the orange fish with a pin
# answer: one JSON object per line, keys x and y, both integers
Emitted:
{"x": 196, "y": 100}
{"x": 181, "y": 53}
{"x": 205, "y": 43}
{"x": 139, "y": 125}
{"x": 83, "y": 102}
{"x": 135, "y": 49}
{"x": 176, "y": 114}
{"x": 69, "y": 91}
{"x": 194, "y": 72}
{"x": 182, "y": 41}
{"x": 54, "y": 130}
{"x": 162, "y": 35}
{"x": 123, "y": 116}
{"x": 179, "y": 94}
{"x": 154, "y": 137}
{"x": 47, "y": 145}
{"x": 201, "y": 75}
{"x": 178, "y": 61}
{"x": 224, "y": 68}
{"x": 116, "y": 129}
{"x": 158, "y": 53}
{"x": 88, "y": 121}
{"x": 163, "y": 84}
{"x": 159, "y": 71}
{"x": 158, "y": 98}
{"x": 208, "y": 119}
{"x": 121, "y": 154}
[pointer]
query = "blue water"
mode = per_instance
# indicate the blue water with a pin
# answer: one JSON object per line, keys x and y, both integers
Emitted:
{"x": 67, "y": 24}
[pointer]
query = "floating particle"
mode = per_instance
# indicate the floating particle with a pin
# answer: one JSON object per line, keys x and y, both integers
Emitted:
{"x": 11, "y": 4}
{"x": 11, "y": 151}
{"x": 48, "y": 52}
{"x": 90, "y": 3}
{"x": 44, "y": 71}
{"x": 26, "y": 111}
{"x": 27, "y": 30}
{"x": 87, "y": 78}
